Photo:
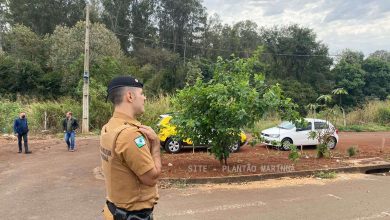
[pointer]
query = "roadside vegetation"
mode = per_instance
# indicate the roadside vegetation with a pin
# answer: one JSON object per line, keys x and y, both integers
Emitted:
{"x": 251, "y": 77}
{"x": 326, "y": 175}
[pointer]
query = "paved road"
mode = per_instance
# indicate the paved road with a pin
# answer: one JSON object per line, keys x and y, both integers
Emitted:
{"x": 55, "y": 184}
{"x": 348, "y": 197}
{"x": 51, "y": 183}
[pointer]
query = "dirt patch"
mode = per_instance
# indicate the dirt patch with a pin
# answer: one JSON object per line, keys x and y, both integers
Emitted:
{"x": 282, "y": 182}
{"x": 374, "y": 147}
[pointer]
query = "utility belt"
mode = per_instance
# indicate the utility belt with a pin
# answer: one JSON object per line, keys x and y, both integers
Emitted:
{"x": 121, "y": 214}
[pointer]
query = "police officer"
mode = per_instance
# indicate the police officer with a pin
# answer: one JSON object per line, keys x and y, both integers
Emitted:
{"x": 130, "y": 155}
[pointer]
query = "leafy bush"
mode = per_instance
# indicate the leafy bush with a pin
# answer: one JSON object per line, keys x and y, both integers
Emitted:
{"x": 323, "y": 151}
{"x": 326, "y": 174}
{"x": 19, "y": 76}
{"x": 294, "y": 154}
{"x": 352, "y": 151}
{"x": 383, "y": 115}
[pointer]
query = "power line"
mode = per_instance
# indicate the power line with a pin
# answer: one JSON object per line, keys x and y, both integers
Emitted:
{"x": 225, "y": 50}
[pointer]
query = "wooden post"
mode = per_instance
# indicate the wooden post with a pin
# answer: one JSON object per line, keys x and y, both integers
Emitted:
{"x": 383, "y": 145}
{"x": 45, "y": 125}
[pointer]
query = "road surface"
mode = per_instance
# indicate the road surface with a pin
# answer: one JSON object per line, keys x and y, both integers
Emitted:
{"x": 349, "y": 197}
{"x": 52, "y": 183}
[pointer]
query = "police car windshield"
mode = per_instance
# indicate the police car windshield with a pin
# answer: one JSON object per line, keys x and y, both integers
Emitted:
{"x": 286, "y": 125}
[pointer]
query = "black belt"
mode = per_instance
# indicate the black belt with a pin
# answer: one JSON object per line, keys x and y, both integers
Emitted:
{"x": 121, "y": 214}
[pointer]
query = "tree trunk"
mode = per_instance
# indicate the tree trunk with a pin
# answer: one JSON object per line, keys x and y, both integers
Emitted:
{"x": 344, "y": 118}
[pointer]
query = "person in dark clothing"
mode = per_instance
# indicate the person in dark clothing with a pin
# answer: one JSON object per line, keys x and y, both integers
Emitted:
{"x": 70, "y": 125}
{"x": 21, "y": 130}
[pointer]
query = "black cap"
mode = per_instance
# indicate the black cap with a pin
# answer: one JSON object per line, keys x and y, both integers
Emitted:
{"x": 121, "y": 81}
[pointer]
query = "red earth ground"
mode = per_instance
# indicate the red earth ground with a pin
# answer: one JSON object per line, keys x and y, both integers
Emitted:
{"x": 249, "y": 160}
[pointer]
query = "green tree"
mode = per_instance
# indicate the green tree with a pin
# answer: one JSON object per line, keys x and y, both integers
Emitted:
{"x": 312, "y": 107}
{"x": 224, "y": 40}
{"x": 300, "y": 92}
{"x": 67, "y": 44}
{"x": 377, "y": 78}
{"x": 294, "y": 52}
{"x": 381, "y": 54}
{"x": 193, "y": 73}
{"x": 67, "y": 49}
{"x": 3, "y": 22}
{"x": 212, "y": 38}
{"x": 340, "y": 92}
{"x": 43, "y": 16}
{"x": 213, "y": 112}
{"x": 116, "y": 16}
{"x": 160, "y": 70}
{"x": 141, "y": 26}
{"x": 298, "y": 60}
{"x": 22, "y": 43}
{"x": 325, "y": 136}
{"x": 325, "y": 99}
{"x": 348, "y": 74}
{"x": 19, "y": 76}
{"x": 248, "y": 37}
{"x": 180, "y": 23}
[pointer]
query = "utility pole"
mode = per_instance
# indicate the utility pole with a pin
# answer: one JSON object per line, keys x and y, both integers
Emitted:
{"x": 85, "y": 124}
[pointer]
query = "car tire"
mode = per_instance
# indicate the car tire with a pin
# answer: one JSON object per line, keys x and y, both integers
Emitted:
{"x": 286, "y": 143}
{"x": 332, "y": 143}
{"x": 173, "y": 146}
{"x": 235, "y": 148}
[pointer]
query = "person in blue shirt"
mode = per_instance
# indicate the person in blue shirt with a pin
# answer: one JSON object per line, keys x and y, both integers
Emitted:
{"x": 21, "y": 130}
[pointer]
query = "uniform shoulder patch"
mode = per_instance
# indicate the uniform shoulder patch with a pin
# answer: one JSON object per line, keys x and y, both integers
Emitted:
{"x": 140, "y": 141}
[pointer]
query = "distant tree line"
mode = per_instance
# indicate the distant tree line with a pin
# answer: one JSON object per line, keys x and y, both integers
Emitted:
{"x": 168, "y": 44}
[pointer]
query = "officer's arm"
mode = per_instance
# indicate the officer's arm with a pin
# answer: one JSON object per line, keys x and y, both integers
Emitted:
{"x": 143, "y": 160}
{"x": 150, "y": 178}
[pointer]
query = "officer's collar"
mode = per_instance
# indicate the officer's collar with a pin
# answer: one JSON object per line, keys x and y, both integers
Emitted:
{"x": 126, "y": 118}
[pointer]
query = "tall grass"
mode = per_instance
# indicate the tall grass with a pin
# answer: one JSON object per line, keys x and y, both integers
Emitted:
{"x": 269, "y": 120}
{"x": 55, "y": 111}
{"x": 9, "y": 111}
{"x": 373, "y": 116}
{"x": 154, "y": 108}
{"x": 100, "y": 113}
{"x": 377, "y": 112}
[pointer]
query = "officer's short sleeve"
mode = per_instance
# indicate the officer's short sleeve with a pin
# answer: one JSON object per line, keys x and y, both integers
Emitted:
{"x": 135, "y": 152}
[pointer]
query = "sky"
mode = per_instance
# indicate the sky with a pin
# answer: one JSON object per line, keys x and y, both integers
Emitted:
{"x": 362, "y": 25}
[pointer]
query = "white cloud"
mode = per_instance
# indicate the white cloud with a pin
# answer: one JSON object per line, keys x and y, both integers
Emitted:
{"x": 357, "y": 24}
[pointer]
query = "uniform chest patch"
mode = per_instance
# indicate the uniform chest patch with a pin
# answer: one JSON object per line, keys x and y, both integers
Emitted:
{"x": 140, "y": 141}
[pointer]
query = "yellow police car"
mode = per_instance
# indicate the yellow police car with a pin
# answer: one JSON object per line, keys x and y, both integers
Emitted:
{"x": 167, "y": 131}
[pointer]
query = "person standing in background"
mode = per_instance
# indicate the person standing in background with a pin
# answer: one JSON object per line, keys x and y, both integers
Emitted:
{"x": 70, "y": 125}
{"x": 21, "y": 130}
